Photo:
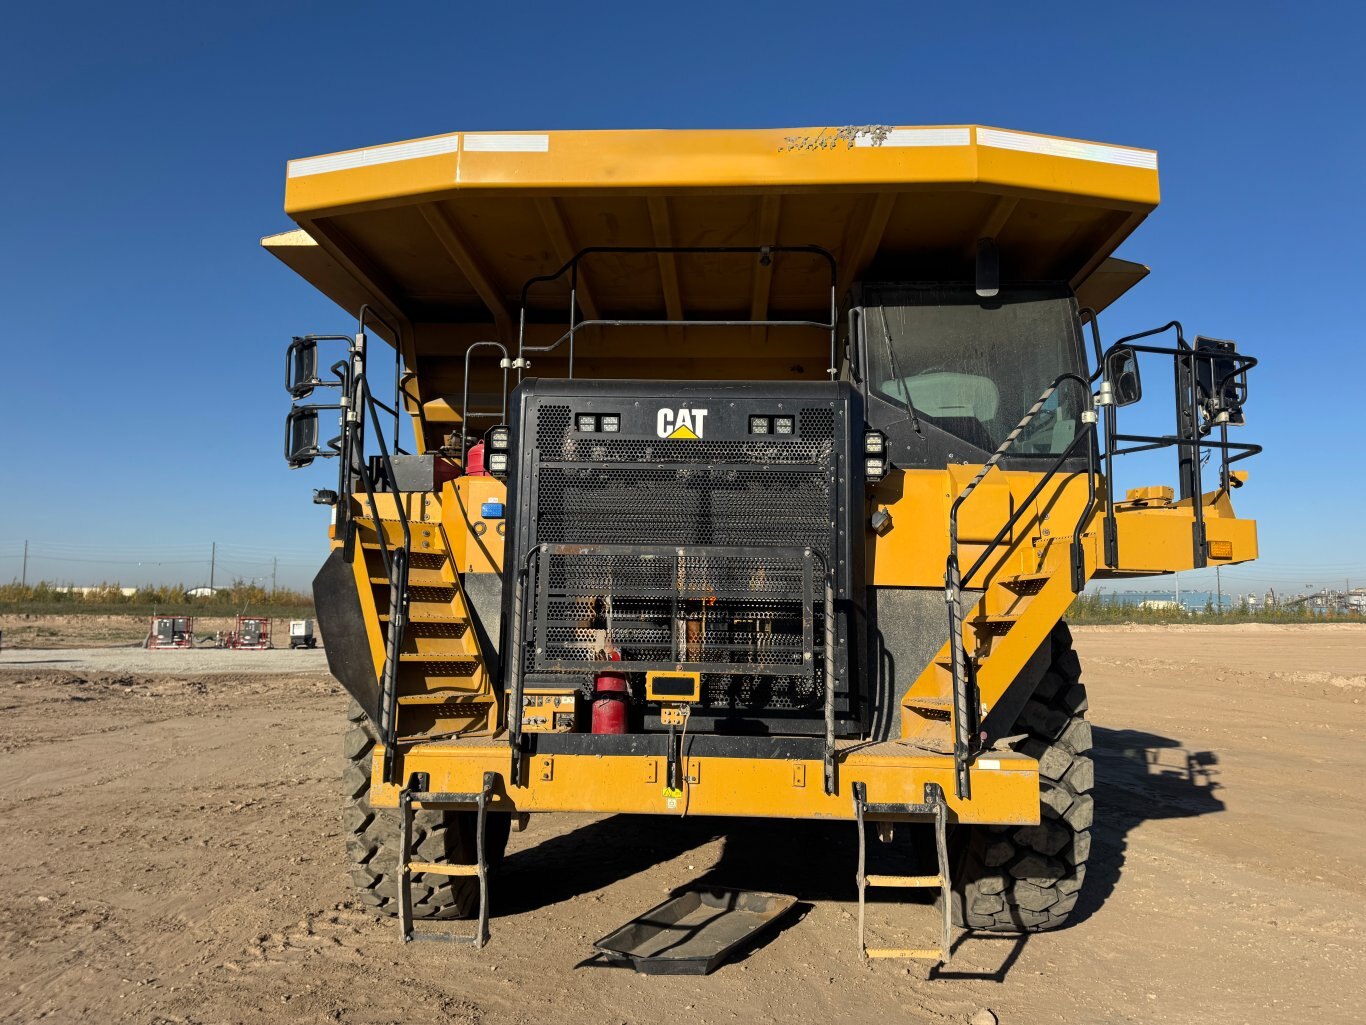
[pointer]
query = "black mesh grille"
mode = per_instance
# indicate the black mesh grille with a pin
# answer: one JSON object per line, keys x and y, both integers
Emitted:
{"x": 739, "y": 610}
{"x": 703, "y": 505}
{"x": 751, "y": 622}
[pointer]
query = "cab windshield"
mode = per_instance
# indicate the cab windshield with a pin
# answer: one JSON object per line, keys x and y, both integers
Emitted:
{"x": 973, "y": 366}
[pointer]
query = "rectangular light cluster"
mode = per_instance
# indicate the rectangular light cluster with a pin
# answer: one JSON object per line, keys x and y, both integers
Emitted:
{"x": 598, "y": 423}
{"x": 772, "y": 425}
{"x": 874, "y": 456}
{"x": 497, "y": 441}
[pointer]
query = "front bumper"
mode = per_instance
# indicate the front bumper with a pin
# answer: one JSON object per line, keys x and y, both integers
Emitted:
{"x": 1005, "y": 786}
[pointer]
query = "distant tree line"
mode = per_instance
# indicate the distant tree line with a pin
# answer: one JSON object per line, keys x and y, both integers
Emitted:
{"x": 45, "y": 598}
{"x": 1100, "y": 608}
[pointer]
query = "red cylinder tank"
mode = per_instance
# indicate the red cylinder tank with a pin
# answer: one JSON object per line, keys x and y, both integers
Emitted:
{"x": 474, "y": 461}
{"x": 611, "y": 701}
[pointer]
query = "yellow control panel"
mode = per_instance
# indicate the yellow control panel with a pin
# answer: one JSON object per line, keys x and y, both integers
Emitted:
{"x": 549, "y": 709}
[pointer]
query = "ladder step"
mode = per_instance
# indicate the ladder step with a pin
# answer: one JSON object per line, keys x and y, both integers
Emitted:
{"x": 443, "y": 870}
{"x": 945, "y": 662}
{"x": 1025, "y": 583}
{"x": 423, "y": 581}
{"x": 426, "y": 618}
{"x": 439, "y": 656}
{"x": 910, "y": 954}
{"x": 935, "y": 704}
{"x": 418, "y": 577}
{"x": 933, "y": 803}
{"x": 446, "y": 698}
{"x": 906, "y": 881}
{"x": 996, "y": 625}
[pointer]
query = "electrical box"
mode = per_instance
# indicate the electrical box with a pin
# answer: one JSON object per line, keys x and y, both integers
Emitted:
{"x": 549, "y": 709}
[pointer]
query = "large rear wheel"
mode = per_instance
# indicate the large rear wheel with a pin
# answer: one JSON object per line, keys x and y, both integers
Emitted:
{"x": 438, "y": 837}
{"x": 1014, "y": 879}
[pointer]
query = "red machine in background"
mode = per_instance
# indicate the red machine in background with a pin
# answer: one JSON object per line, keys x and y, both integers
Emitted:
{"x": 251, "y": 633}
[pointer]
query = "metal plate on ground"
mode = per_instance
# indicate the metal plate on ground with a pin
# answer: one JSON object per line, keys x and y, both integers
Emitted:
{"x": 693, "y": 933}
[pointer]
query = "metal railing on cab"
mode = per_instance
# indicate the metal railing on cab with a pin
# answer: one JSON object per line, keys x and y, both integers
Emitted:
{"x": 1210, "y": 379}
{"x": 571, "y": 269}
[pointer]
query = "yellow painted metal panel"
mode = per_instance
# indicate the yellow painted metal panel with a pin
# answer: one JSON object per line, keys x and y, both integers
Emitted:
{"x": 757, "y": 787}
{"x": 715, "y": 159}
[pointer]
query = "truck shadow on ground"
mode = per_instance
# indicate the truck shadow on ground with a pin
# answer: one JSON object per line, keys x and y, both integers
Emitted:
{"x": 1139, "y": 776}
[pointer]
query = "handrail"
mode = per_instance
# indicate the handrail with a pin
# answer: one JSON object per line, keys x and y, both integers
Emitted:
{"x": 465, "y": 398}
{"x": 954, "y": 581}
{"x": 396, "y": 566}
{"x": 367, "y": 310}
{"x": 1190, "y": 438}
{"x": 571, "y": 267}
{"x": 362, "y": 401}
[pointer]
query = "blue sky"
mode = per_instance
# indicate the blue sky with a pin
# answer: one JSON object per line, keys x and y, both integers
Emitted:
{"x": 145, "y": 147}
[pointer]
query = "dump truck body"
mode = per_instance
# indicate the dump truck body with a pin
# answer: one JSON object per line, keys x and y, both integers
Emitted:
{"x": 799, "y": 445}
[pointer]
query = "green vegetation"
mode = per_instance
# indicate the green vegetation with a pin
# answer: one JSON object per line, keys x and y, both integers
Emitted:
{"x": 108, "y": 599}
{"x": 1100, "y": 609}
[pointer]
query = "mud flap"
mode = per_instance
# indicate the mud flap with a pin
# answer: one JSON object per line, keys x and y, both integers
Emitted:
{"x": 345, "y": 640}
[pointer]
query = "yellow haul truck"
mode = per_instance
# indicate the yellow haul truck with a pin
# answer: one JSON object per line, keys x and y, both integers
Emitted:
{"x": 752, "y": 474}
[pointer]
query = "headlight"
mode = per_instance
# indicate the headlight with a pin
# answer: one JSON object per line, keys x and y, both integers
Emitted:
{"x": 783, "y": 425}
{"x": 874, "y": 443}
{"x": 586, "y": 422}
{"x": 758, "y": 425}
{"x": 497, "y": 464}
{"x": 498, "y": 438}
{"x": 611, "y": 423}
{"x": 874, "y": 468}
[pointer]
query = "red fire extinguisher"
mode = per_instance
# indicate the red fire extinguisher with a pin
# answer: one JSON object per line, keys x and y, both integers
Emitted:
{"x": 611, "y": 700}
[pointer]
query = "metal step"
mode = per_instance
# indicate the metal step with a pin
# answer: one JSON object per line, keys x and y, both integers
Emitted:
{"x": 933, "y": 809}
{"x": 996, "y": 626}
{"x": 419, "y": 576}
{"x": 417, "y": 793}
{"x": 930, "y": 882}
{"x": 1025, "y": 584}
{"x": 930, "y": 704}
{"x": 444, "y": 698}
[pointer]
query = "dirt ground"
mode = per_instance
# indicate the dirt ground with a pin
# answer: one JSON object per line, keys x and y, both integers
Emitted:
{"x": 174, "y": 853}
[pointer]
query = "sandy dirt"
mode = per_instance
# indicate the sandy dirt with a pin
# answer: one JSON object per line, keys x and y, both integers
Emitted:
{"x": 175, "y": 854}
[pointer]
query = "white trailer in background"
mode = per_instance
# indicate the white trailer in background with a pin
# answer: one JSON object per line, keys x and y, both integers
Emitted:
{"x": 301, "y": 634}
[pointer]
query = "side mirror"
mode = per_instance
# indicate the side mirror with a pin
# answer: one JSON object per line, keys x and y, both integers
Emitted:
{"x": 301, "y": 437}
{"x": 301, "y": 368}
{"x": 1121, "y": 370}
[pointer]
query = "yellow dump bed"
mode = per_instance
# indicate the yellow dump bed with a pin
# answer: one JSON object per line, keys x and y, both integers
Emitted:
{"x": 441, "y": 234}
{"x": 450, "y": 227}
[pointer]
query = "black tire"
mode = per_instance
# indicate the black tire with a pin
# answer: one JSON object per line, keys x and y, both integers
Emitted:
{"x": 1013, "y": 879}
{"x": 438, "y": 836}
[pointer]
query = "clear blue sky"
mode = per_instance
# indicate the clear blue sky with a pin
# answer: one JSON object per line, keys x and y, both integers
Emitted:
{"x": 144, "y": 155}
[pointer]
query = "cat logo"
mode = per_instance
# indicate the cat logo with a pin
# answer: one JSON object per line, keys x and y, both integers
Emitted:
{"x": 681, "y": 424}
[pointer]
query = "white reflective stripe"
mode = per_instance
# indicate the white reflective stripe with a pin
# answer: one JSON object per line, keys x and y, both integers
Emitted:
{"x": 988, "y": 763}
{"x": 1094, "y": 151}
{"x": 905, "y": 137}
{"x": 374, "y": 155}
{"x": 506, "y": 143}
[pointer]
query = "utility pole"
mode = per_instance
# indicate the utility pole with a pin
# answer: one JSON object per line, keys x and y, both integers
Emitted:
{"x": 1219, "y": 583}
{"x": 213, "y": 559}
{"x": 23, "y": 582}
{"x": 274, "y": 565}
